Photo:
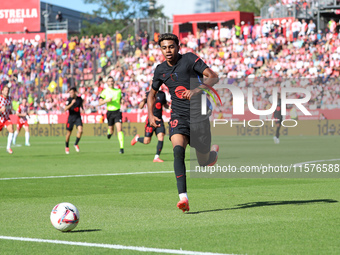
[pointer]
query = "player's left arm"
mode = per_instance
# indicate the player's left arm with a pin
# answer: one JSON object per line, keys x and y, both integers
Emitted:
{"x": 121, "y": 101}
{"x": 19, "y": 113}
{"x": 210, "y": 79}
{"x": 82, "y": 106}
{"x": 2, "y": 106}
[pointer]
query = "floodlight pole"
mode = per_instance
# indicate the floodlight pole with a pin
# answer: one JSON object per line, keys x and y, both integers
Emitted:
{"x": 45, "y": 13}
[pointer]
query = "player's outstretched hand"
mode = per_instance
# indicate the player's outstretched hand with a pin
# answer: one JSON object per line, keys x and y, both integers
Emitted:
{"x": 152, "y": 120}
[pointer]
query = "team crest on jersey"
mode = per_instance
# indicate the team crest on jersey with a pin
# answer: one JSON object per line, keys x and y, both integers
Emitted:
{"x": 173, "y": 76}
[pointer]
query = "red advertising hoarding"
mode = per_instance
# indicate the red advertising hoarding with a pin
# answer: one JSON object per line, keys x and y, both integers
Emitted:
{"x": 33, "y": 37}
{"x": 19, "y": 15}
{"x": 22, "y": 38}
{"x": 141, "y": 116}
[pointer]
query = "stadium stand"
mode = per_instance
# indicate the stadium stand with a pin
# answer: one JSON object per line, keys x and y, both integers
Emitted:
{"x": 261, "y": 51}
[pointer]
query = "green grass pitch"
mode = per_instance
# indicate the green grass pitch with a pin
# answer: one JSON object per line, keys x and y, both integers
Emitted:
{"x": 233, "y": 216}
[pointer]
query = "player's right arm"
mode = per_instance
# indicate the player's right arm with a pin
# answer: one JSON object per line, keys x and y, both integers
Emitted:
{"x": 2, "y": 106}
{"x": 151, "y": 102}
{"x": 143, "y": 102}
{"x": 151, "y": 99}
{"x": 102, "y": 99}
{"x": 19, "y": 113}
{"x": 69, "y": 104}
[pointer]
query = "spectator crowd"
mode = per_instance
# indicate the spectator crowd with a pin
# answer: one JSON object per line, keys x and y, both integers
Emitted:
{"x": 263, "y": 55}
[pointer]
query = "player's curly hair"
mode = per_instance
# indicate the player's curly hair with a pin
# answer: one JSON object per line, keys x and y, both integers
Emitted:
{"x": 168, "y": 36}
{"x": 5, "y": 86}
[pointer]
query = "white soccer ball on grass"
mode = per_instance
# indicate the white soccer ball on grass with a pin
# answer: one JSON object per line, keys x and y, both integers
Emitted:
{"x": 64, "y": 217}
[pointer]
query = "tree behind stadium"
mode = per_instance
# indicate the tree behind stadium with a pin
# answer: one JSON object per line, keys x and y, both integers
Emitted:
{"x": 119, "y": 14}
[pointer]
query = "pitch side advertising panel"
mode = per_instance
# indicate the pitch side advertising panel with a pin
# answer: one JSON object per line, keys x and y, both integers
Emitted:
{"x": 22, "y": 38}
{"x": 16, "y": 15}
{"x": 31, "y": 38}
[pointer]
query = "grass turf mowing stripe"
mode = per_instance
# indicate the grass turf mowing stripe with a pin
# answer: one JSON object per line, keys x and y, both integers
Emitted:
{"x": 85, "y": 175}
{"x": 316, "y": 161}
{"x": 110, "y": 246}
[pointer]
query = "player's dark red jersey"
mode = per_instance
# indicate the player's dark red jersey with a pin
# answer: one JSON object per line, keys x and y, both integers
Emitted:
{"x": 188, "y": 69}
{"x": 7, "y": 102}
{"x": 160, "y": 101}
{"x": 277, "y": 113}
{"x": 75, "y": 108}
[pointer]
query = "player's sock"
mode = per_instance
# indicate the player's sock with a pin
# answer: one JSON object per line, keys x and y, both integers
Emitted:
{"x": 27, "y": 137}
{"x": 179, "y": 166}
{"x": 77, "y": 141}
{"x": 120, "y": 136}
{"x": 9, "y": 140}
{"x": 159, "y": 147}
{"x": 156, "y": 156}
{"x": 66, "y": 144}
{"x": 15, "y": 136}
{"x": 183, "y": 195}
{"x": 278, "y": 132}
{"x": 108, "y": 134}
{"x": 140, "y": 139}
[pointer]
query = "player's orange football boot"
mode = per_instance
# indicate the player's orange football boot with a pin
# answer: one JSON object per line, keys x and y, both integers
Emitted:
{"x": 67, "y": 150}
{"x": 183, "y": 205}
{"x": 77, "y": 148}
{"x": 214, "y": 148}
{"x": 158, "y": 160}
{"x": 134, "y": 140}
{"x": 10, "y": 151}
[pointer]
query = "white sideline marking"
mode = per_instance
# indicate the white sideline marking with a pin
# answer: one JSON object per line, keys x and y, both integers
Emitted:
{"x": 84, "y": 175}
{"x": 317, "y": 161}
{"x": 110, "y": 246}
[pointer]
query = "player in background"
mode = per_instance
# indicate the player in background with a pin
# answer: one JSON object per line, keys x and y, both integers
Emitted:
{"x": 5, "y": 111}
{"x": 278, "y": 117}
{"x": 113, "y": 98}
{"x": 22, "y": 114}
{"x": 187, "y": 120}
{"x": 73, "y": 105}
{"x": 159, "y": 131}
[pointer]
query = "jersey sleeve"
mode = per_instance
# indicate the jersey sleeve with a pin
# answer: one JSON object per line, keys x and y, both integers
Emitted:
{"x": 81, "y": 103}
{"x": 68, "y": 101}
{"x": 163, "y": 101}
{"x": 147, "y": 94}
{"x": 198, "y": 64}
{"x": 19, "y": 109}
{"x": 102, "y": 95}
{"x": 157, "y": 82}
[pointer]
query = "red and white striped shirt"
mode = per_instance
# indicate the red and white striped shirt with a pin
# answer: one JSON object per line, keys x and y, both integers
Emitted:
{"x": 7, "y": 102}
{"x": 23, "y": 109}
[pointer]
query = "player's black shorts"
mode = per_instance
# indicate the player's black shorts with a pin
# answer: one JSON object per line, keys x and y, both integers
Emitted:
{"x": 278, "y": 120}
{"x": 113, "y": 117}
{"x": 149, "y": 129}
{"x": 198, "y": 133}
{"x": 71, "y": 121}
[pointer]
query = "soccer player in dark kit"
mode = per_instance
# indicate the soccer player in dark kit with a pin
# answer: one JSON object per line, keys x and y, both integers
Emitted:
{"x": 159, "y": 131}
{"x": 278, "y": 119}
{"x": 187, "y": 124}
{"x": 73, "y": 105}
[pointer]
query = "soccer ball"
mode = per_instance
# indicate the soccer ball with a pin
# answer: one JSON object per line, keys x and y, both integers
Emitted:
{"x": 64, "y": 217}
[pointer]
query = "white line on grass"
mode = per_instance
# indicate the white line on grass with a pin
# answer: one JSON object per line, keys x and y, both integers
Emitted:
{"x": 110, "y": 246}
{"x": 132, "y": 173}
{"x": 83, "y": 175}
{"x": 316, "y": 161}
